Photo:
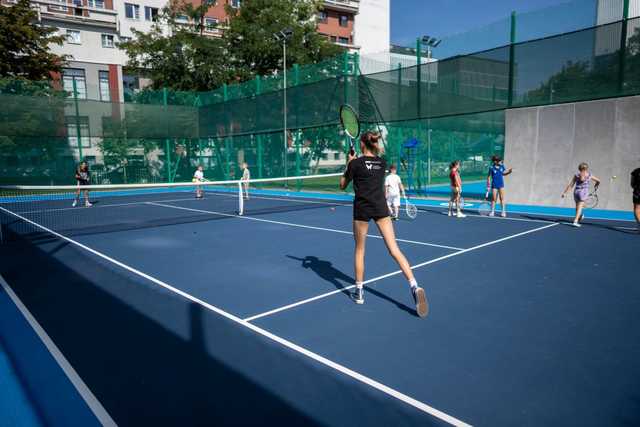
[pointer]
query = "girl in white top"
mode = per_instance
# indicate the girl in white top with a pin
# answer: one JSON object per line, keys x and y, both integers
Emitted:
{"x": 393, "y": 188}
{"x": 246, "y": 176}
{"x": 198, "y": 176}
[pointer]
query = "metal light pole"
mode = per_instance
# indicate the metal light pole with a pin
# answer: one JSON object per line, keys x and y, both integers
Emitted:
{"x": 431, "y": 43}
{"x": 283, "y": 36}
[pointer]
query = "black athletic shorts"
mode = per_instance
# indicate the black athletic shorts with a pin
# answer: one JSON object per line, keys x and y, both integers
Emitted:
{"x": 636, "y": 199}
{"x": 367, "y": 213}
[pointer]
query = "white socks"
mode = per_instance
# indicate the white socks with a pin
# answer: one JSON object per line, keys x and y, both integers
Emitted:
{"x": 413, "y": 283}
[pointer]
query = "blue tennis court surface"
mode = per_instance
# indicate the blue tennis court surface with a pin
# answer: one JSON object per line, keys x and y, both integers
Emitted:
{"x": 176, "y": 311}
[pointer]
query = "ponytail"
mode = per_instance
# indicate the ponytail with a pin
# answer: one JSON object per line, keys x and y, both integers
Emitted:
{"x": 370, "y": 140}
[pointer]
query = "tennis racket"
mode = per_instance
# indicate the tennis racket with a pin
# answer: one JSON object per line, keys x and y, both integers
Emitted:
{"x": 351, "y": 125}
{"x": 592, "y": 199}
{"x": 410, "y": 209}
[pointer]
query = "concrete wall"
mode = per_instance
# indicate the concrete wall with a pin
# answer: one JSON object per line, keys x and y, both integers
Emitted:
{"x": 544, "y": 145}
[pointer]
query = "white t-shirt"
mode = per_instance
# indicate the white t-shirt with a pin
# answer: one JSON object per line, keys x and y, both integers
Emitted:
{"x": 392, "y": 184}
{"x": 246, "y": 175}
{"x": 199, "y": 175}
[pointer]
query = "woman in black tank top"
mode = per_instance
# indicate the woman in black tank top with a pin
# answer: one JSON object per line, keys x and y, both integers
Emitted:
{"x": 367, "y": 173}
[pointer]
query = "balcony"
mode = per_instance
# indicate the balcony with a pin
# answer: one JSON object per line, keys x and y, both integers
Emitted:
{"x": 76, "y": 11}
{"x": 351, "y": 6}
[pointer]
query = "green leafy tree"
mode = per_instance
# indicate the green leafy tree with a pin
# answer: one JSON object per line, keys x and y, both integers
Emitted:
{"x": 253, "y": 49}
{"x": 25, "y": 44}
{"x": 632, "y": 63}
{"x": 174, "y": 55}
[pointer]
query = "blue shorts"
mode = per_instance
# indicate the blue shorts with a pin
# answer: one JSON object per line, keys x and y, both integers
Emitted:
{"x": 497, "y": 186}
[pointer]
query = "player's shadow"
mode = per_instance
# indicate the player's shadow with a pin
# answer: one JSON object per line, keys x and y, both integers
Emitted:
{"x": 325, "y": 270}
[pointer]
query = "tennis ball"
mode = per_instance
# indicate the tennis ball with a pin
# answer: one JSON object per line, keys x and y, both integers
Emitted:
{"x": 194, "y": 180}
{"x": 332, "y": 208}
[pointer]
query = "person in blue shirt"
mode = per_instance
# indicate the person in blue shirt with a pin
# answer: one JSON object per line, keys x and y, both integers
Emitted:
{"x": 495, "y": 183}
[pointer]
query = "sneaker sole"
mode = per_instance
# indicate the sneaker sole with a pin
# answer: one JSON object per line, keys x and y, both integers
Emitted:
{"x": 422, "y": 307}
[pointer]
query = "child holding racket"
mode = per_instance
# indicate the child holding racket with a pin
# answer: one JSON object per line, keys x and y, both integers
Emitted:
{"x": 635, "y": 185}
{"x": 495, "y": 183}
{"x": 198, "y": 176}
{"x": 246, "y": 176}
{"x": 580, "y": 183}
{"x": 82, "y": 179}
{"x": 393, "y": 188}
{"x": 456, "y": 188}
{"x": 367, "y": 173}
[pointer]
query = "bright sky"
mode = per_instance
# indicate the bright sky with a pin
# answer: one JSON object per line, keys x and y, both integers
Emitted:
{"x": 441, "y": 18}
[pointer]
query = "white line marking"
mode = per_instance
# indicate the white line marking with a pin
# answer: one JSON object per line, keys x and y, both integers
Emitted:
{"x": 340, "y": 368}
{"x": 94, "y": 404}
{"x": 81, "y": 207}
{"x": 290, "y": 224}
{"x": 384, "y": 276}
{"x": 628, "y": 228}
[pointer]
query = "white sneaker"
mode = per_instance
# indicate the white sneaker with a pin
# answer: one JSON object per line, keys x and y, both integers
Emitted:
{"x": 75, "y": 203}
{"x": 88, "y": 204}
{"x": 492, "y": 213}
{"x": 576, "y": 224}
{"x": 358, "y": 296}
{"x": 420, "y": 299}
{"x": 461, "y": 215}
{"x": 503, "y": 214}
{"x": 449, "y": 213}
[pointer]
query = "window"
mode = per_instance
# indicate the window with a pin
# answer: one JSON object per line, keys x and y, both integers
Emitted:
{"x": 124, "y": 39}
{"x": 234, "y": 3}
{"x": 107, "y": 40}
{"x": 182, "y": 18}
{"x": 97, "y": 4}
{"x": 73, "y": 37}
{"x": 323, "y": 16}
{"x": 132, "y": 11}
{"x": 72, "y": 131}
{"x": 344, "y": 20}
{"x": 60, "y": 8}
{"x": 69, "y": 75}
{"x": 343, "y": 40}
{"x": 151, "y": 13}
{"x": 336, "y": 156}
{"x": 210, "y": 23}
{"x": 103, "y": 81}
{"x": 333, "y": 39}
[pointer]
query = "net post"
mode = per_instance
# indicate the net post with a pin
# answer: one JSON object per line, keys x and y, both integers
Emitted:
{"x": 240, "y": 199}
{"x": 623, "y": 47}
{"x": 512, "y": 53}
{"x": 77, "y": 109}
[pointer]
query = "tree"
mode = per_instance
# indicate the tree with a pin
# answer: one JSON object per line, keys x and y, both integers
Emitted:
{"x": 25, "y": 44}
{"x": 252, "y": 47}
{"x": 632, "y": 63}
{"x": 174, "y": 55}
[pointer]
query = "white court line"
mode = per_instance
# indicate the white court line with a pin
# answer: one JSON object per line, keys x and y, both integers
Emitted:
{"x": 100, "y": 205}
{"x": 90, "y": 399}
{"x": 290, "y": 345}
{"x": 290, "y": 224}
{"x": 628, "y": 228}
{"x": 384, "y": 276}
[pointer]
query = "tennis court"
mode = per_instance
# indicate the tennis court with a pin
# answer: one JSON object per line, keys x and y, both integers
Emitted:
{"x": 167, "y": 310}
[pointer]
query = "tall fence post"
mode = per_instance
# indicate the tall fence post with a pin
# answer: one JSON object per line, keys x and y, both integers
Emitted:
{"x": 623, "y": 47}
{"x": 77, "y": 108}
{"x": 227, "y": 148}
{"x": 512, "y": 57}
{"x": 399, "y": 108}
{"x": 167, "y": 142}
{"x": 259, "y": 136}
{"x": 345, "y": 95}
{"x": 418, "y": 77}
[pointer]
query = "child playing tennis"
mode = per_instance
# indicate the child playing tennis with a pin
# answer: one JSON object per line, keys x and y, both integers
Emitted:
{"x": 367, "y": 173}
{"x": 82, "y": 179}
{"x": 635, "y": 185}
{"x": 198, "y": 176}
{"x": 580, "y": 183}
{"x": 393, "y": 188}
{"x": 495, "y": 183}
{"x": 456, "y": 188}
{"x": 246, "y": 176}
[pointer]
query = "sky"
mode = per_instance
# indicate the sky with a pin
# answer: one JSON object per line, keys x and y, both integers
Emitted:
{"x": 441, "y": 18}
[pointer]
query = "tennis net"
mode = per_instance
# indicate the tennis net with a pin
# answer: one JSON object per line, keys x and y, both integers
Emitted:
{"x": 116, "y": 208}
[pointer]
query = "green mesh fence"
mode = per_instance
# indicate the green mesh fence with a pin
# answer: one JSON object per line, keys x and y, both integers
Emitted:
{"x": 430, "y": 114}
